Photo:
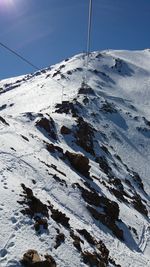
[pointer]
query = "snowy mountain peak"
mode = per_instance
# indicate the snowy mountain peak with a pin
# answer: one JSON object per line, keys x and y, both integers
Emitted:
{"x": 75, "y": 156}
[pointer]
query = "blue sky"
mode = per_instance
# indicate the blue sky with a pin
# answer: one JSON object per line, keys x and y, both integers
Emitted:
{"x": 48, "y": 31}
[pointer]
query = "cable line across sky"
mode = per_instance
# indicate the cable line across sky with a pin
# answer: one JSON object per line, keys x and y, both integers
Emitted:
{"x": 19, "y": 56}
{"x": 88, "y": 45}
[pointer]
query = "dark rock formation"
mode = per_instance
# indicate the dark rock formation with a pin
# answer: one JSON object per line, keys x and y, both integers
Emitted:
{"x": 32, "y": 259}
{"x": 108, "y": 220}
{"x": 103, "y": 163}
{"x": 87, "y": 236}
{"x": 52, "y": 148}
{"x": 76, "y": 241}
{"x": 109, "y": 213}
{"x": 60, "y": 238}
{"x": 79, "y": 162}
{"x": 3, "y": 121}
{"x": 67, "y": 107}
{"x": 35, "y": 209}
{"x": 65, "y": 130}
{"x": 48, "y": 125}
{"x": 60, "y": 217}
{"x": 84, "y": 135}
{"x": 93, "y": 259}
{"x": 108, "y": 107}
{"x": 139, "y": 206}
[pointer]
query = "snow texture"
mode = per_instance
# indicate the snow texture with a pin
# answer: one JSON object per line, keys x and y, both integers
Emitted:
{"x": 107, "y": 120}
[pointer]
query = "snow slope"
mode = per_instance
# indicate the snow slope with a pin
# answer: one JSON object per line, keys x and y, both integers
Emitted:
{"x": 95, "y": 203}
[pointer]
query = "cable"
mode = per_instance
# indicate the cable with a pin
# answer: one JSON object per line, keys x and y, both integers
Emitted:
{"x": 89, "y": 27}
{"x": 86, "y": 62}
{"x": 29, "y": 63}
{"x": 22, "y": 58}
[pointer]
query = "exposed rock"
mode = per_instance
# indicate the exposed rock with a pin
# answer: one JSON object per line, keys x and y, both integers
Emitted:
{"x": 79, "y": 162}
{"x": 65, "y": 130}
{"x": 56, "y": 73}
{"x": 60, "y": 217}
{"x": 77, "y": 241}
{"x": 137, "y": 179}
{"x": 40, "y": 222}
{"x": 103, "y": 249}
{"x": 108, "y": 220}
{"x": 112, "y": 261}
{"x": 87, "y": 236}
{"x": 60, "y": 238}
{"x": 122, "y": 67}
{"x": 50, "y": 148}
{"x": 103, "y": 164}
{"x": 146, "y": 121}
{"x": 108, "y": 107}
{"x": 85, "y": 100}
{"x": 48, "y": 125}
{"x": 105, "y": 149}
{"x": 32, "y": 259}
{"x": 25, "y": 138}
{"x": 84, "y": 135}
{"x": 119, "y": 191}
{"x": 109, "y": 210}
{"x": 53, "y": 148}
{"x": 3, "y": 121}
{"x": 34, "y": 204}
{"x": 91, "y": 198}
{"x": 35, "y": 209}
{"x": 117, "y": 183}
{"x": 67, "y": 107}
{"x": 56, "y": 169}
{"x": 93, "y": 259}
{"x": 139, "y": 206}
{"x": 59, "y": 180}
{"x": 118, "y": 194}
{"x": 99, "y": 56}
{"x": 3, "y": 107}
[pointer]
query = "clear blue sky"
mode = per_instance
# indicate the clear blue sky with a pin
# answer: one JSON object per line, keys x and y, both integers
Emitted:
{"x": 47, "y": 31}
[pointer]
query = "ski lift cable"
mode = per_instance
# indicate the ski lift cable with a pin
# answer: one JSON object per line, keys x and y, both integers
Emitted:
{"x": 28, "y": 62}
{"x": 88, "y": 41}
{"x": 19, "y": 56}
{"x": 89, "y": 27}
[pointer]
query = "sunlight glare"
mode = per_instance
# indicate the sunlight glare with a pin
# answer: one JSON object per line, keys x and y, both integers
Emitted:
{"x": 7, "y": 3}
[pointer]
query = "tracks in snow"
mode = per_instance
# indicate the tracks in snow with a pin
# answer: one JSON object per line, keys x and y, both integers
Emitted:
{"x": 144, "y": 238}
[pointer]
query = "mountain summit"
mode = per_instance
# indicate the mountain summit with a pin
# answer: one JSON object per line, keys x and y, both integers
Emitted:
{"x": 75, "y": 163}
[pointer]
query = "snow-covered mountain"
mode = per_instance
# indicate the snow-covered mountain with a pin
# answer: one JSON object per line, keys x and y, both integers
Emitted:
{"x": 75, "y": 163}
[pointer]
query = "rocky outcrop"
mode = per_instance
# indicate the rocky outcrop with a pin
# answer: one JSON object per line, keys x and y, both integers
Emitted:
{"x": 60, "y": 217}
{"x": 3, "y": 121}
{"x": 108, "y": 107}
{"x": 79, "y": 162}
{"x": 60, "y": 238}
{"x": 47, "y": 124}
{"x": 84, "y": 135}
{"x": 109, "y": 210}
{"x": 35, "y": 209}
{"x": 67, "y": 107}
{"x": 138, "y": 205}
{"x": 65, "y": 130}
{"x": 93, "y": 259}
{"x": 103, "y": 163}
{"x": 52, "y": 148}
{"x": 32, "y": 259}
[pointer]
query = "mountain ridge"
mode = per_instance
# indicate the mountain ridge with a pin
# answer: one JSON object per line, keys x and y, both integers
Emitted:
{"x": 75, "y": 162}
